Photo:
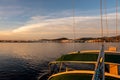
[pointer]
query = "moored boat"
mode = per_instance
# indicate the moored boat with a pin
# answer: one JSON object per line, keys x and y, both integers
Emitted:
{"x": 81, "y": 65}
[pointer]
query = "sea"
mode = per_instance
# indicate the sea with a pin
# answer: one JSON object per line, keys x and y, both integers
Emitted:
{"x": 27, "y": 61}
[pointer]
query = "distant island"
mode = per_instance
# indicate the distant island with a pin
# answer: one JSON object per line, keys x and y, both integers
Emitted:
{"x": 67, "y": 40}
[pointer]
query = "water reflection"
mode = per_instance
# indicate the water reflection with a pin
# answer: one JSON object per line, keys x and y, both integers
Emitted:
{"x": 25, "y": 61}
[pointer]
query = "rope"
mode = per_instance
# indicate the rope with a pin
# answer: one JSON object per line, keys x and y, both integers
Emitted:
{"x": 74, "y": 37}
{"x": 105, "y": 8}
{"x": 102, "y": 50}
{"x": 101, "y": 20}
{"x": 107, "y": 29}
{"x": 116, "y": 20}
{"x": 99, "y": 68}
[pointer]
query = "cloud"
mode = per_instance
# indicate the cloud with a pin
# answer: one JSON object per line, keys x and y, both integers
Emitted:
{"x": 57, "y": 24}
{"x": 45, "y": 27}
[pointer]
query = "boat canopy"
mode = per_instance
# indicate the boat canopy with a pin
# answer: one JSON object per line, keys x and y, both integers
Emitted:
{"x": 110, "y": 57}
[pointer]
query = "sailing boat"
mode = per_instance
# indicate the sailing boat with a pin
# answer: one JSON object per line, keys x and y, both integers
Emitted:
{"x": 86, "y": 65}
{"x": 80, "y": 66}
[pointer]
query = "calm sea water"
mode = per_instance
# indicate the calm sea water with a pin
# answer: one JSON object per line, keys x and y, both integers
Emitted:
{"x": 26, "y": 61}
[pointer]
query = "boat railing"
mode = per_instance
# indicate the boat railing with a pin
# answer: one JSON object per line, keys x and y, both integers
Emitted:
{"x": 54, "y": 67}
{"x": 110, "y": 50}
{"x": 81, "y": 72}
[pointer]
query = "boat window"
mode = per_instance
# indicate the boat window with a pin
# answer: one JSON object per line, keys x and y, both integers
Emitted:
{"x": 107, "y": 68}
{"x": 72, "y": 66}
{"x": 80, "y": 66}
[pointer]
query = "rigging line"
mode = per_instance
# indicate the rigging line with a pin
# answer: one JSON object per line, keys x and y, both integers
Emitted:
{"x": 100, "y": 66}
{"x": 102, "y": 50}
{"x": 105, "y": 8}
{"x": 116, "y": 20}
{"x": 73, "y": 12}
{"x": 107, "y": 29}
{"x": 101, "y": 20}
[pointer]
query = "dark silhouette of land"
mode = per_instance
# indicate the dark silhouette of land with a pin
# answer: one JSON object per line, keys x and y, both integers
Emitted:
{"x": 67, "y": 40}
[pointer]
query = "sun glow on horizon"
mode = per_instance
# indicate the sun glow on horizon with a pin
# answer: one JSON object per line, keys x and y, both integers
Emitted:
{"x": 38, "y": 22}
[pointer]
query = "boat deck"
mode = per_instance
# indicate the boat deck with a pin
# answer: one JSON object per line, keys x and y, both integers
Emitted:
{"x": 87, "y": 58}
{"x": 78, "y": 75}
{"x": 91, "y": 56}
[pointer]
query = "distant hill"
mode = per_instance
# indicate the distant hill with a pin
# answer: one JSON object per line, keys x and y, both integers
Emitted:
{"x": 61, "y": 39}
{"x": 85, "y": 39}
{"x": 106, "y": 39}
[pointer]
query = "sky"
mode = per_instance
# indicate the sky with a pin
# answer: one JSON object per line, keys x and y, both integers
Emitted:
{"x": 38, "y": 19}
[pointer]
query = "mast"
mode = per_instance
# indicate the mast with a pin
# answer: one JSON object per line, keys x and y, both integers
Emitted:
{"x": 100, "y": 66}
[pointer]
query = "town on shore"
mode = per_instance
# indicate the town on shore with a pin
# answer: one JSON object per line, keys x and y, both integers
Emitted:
{"x": 66, "y": 40}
